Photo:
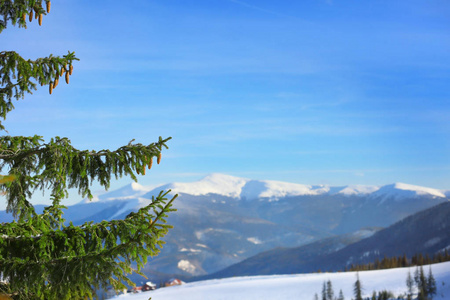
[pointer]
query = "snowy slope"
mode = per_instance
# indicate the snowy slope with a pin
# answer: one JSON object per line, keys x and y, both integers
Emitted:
{"x": 399, "y": 191}
{"x": 302, "y": 286}
{"x": 220, "y": 184}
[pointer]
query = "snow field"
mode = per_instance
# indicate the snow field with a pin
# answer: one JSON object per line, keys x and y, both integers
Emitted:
{"x": 299, "y": 286}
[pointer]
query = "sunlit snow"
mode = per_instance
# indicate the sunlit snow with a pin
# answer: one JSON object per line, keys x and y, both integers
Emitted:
{"x": 300, "y": 286}
{"x": 186, "y": 266}
{"x": 254, "y": 240}
{"x": 248, "y": 189}
{"x": 243, "y": 188}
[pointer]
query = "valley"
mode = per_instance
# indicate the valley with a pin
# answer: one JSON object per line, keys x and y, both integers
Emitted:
{"x": 223, "y": 220}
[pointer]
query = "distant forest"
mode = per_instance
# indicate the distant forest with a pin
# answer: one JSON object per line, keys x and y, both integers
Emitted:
{"x": 401, "y": 261}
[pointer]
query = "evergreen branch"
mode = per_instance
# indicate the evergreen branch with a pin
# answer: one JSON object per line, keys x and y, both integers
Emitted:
{"x": 17, "y": 12}
{"x": 134, "y": 245}
{"x": 19, "y": 76}
{"x": 57, "y": 165}
{"x": 16, "y": 231}
{"x": 18, "y": 154}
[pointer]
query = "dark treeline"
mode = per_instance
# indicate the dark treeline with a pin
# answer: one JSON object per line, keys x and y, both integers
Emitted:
{"x": 401, "y": 261}
{"x": 420, "y": 285}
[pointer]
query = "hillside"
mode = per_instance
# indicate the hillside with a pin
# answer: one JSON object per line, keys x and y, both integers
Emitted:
{"x": 299, "y": 286}
{"x": 426, "y": 232}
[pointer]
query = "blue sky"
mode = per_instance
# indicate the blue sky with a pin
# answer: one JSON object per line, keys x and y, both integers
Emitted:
{"x": 314, "y": 92}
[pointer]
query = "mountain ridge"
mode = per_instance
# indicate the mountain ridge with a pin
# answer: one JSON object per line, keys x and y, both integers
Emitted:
{"x": 250, "y": 189}
{"x": 221, "y": 222}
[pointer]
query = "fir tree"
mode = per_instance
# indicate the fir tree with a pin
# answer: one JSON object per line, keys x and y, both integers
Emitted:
{"x": 42, "y": 257}
{"x": 357, "y": 288}
{"x": 410, "y": 286}
{"x": 431, "y": 284}
{"x": 385, "y": 295}
{"x": 341, "y": 295}
{"x": 421, "y": 283}
{"x": 324, "y": 291}
{"x": 329, "y": 291}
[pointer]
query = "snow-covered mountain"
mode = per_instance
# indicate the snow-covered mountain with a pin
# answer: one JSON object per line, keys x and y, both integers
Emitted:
{"x": 400, "y": 191}
{"x": 222, "y": 219}
{"x": 248, "y": 189}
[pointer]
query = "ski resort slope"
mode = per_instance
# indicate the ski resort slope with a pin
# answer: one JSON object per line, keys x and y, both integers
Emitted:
{"x": 300, "y": 286}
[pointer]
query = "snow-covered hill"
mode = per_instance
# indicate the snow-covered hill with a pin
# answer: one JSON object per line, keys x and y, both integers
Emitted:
{"x": 400, "y": 191}
{"x": 301, "y": 286}
{"x": 243, "y": 188}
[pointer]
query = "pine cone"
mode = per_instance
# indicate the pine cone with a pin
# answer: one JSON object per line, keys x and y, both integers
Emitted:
{"x": 55, "y": 84}
{"x": 63, "y": 69}
{"x": 70, "y": 70}
{"x": 30, "y": 18}
{"x": 24, "y": 17}
{"x": 40, "y": 19}
{"x": 48, "y": 6}
{"x": 159, "y": 158}
{"x": 150, "y": 163}
{"x": 67, "y": 77}
{"x": 50, "y": 88}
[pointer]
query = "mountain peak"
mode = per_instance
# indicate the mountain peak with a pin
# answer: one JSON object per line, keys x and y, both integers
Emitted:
{"x": 222, "y": 179}
{"x": 357, "y": 189}
{"x": 214, "y": 183}
{"x": 401, "y": 190}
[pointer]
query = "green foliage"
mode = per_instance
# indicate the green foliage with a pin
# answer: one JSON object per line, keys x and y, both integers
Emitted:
{"x": 402, "y": 261}
{"x": 329, "y": 291}
{"x": 426, "y": 285}
{"x": 357, "y": 288}
{"x": 41, "y": 256}
{"x": 385, "y": 295}
{"x": 57, "y": 166}
{"x": 421, "y": 282}
{"x": 17, "y": 11}
{"x": 42, "y": 262}
{"x": 431, "y": 284}
{"x": 374, "y": 296}
{"x": 20, "y": 76}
